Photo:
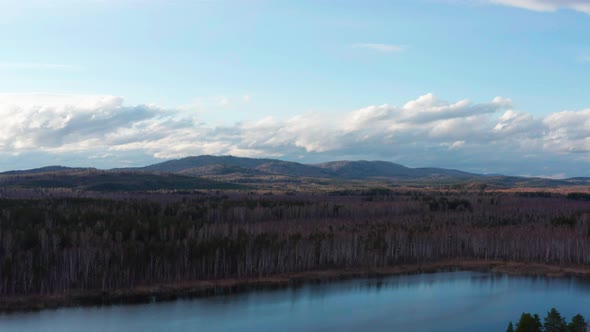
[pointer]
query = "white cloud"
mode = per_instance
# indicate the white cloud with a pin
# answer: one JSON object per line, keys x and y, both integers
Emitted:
{"x": 568, "y": 131}
{"x": 385, "y": 48}
{"x": 456, "y": 145}
{"x": 427, "y": 131}
{"x": 547, "y": 5}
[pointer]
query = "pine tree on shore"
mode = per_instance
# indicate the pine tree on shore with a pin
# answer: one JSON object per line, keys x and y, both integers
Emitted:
{"x": 554, "y": 322}
{"x": 510, "y": 327}
{"x": 578, "y": 324}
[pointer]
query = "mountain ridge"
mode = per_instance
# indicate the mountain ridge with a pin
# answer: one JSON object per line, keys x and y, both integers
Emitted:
{"x": 231, "y": 169}
{"x": 360, "y": 169}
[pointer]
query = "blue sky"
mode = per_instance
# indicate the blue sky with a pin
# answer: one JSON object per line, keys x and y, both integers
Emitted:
{"x": 115, "y": 83}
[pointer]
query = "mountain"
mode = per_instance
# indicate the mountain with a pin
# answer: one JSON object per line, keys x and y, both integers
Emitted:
{"x": 381, "y": 169}
{"x": 222, "y": 170}
{"x": 228, "y": 172}
{"x": 365, "y": 169}
{"x": 252, "y": 170}
{"x": 295, "y": 169}
{"x": 223, "y": 165}
{"x": 183, "y": 164}
{"x": 352, "y": 170}
{"x": 444, "y": 172}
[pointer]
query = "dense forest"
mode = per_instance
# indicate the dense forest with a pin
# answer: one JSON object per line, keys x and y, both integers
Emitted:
{"x": 55, "y": 243}
{"x": 553, "y": 322}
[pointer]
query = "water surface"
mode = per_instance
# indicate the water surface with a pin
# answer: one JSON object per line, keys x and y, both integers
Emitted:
{"x": 451, "y": 301}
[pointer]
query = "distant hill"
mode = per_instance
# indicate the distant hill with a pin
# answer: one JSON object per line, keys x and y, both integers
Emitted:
{"x": 221, "y": 170}
{"x": 179, "y": 165}
{"x": 295, "y": 169}
{"x": 373, "y": 169}
{"x": 233, "y": 167}
{"x": 366, "y": 169}
{"x": 444, "y": 172}
{"x": 47, "y": 169}
{"x": 212, "y": 165}
{"x": 227, "y": 172}
{"x": 579, "y": 180}
{"x": 111, "y": 181}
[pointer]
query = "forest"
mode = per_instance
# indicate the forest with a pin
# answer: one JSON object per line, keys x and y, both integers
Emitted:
{"x": 54, "y": 242}
{"x": 553, "y": 322}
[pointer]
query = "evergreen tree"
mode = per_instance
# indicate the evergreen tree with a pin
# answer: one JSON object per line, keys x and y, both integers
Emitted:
{"x": 528, "y": 323}
{"x": 538, "y": 324}
{"x": 578, "y": 324}
{"x": 554, "y": 322}
{"x": 510, "y": 327}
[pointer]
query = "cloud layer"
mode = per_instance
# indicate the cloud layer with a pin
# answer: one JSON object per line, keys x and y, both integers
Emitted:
{"x": 547, "y": 5}
{"x": 38, "y": 129}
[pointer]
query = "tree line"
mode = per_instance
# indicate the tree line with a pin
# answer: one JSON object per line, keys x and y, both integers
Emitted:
{"x": 53, "y": 245}
{"x": 553, "y": 322}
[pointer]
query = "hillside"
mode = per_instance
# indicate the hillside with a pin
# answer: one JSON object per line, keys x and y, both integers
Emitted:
{"x": 179, "y": 165}
{"x": 203, "y": 165}
{"x": 111, "y": 181}
{"x": 45, "y": 170}
{"x": 227, "y": 172}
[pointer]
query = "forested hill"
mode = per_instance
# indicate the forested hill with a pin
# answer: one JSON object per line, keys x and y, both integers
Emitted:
{"x": 338, "y": 169}
{"x": 217, "y": 172}
{"x": 229, "y": 167}
{"x": 108, "y": 181}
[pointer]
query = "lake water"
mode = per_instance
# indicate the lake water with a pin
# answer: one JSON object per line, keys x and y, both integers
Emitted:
{"x": 452, "y": 301}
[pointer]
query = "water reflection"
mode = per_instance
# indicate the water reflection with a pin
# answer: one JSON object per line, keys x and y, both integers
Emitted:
{"x": 451, "y": 301}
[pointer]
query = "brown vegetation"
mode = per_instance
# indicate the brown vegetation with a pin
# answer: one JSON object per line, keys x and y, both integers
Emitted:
{"x": 54, "y": 247}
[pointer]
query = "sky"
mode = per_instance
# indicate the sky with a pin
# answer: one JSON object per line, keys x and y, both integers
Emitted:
{"x": 487, "y": 86}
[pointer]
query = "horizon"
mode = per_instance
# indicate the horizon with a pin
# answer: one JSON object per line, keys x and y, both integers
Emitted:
{"x": 482, "y": 86}
{"x": 276, "y": 159}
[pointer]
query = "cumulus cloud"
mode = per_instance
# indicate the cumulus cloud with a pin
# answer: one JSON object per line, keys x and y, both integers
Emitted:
{"x": 568, "y": 131}
{"x": 547, "y": 5}
{"x": 60, "y": 122}
{"x": 427, "y": 131}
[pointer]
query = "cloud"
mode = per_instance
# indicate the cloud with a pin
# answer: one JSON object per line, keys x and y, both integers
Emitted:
{"x": 546, "y": 5}
{"x": 456, "y": 145}
{"x": 568, "y": 131}
{"x": 61, "y": 123}
{"x": 584, "y": 58}
{"x": 385, "y": 48}
{"x": 427, "y": 131}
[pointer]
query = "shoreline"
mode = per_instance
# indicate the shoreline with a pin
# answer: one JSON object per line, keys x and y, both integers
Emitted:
{"x": 202, "y": 288}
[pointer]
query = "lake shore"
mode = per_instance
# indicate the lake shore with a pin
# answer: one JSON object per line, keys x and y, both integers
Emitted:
{"x": 199, "y": 288}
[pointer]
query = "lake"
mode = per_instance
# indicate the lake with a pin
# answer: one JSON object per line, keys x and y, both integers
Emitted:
{"x": 449, "y": 301}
